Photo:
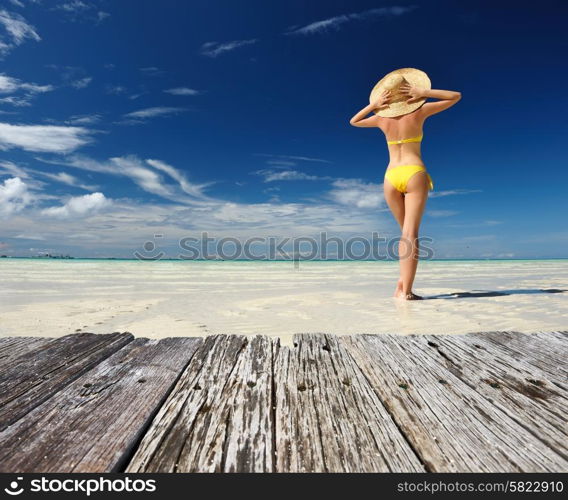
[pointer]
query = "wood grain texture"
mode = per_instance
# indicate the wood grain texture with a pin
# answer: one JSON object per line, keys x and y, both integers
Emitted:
{"x": 11, "y": 348}
{"x": 218, "y": 418}
{"x": 544, "y": 351}
{"x": 484, "y": 402}
{"x": 93, "y": 423}
{"x": 328, "y": 417}
{"x": 450, "y": 425}
{"x": 522, "y": 391}
{"x": 37, "y": 375}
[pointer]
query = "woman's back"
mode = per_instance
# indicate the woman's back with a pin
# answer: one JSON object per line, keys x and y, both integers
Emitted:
{"x": 404, "y": 133}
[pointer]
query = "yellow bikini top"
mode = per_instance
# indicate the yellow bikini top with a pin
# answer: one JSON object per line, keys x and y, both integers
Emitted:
{"x": 404, "y": 141}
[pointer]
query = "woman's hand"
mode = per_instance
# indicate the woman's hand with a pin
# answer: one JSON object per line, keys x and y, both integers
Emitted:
{"x": 382, "y": 101}
{"x": 414, "y": 94}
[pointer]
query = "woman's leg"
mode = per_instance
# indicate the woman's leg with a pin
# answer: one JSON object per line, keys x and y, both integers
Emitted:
{"x": 395, "y": 201}
{"x": 414, "y": 204}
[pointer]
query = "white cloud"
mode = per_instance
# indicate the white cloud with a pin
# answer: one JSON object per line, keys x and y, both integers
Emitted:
{"x": 14, "y": 196}
{"x": 214, "y": 49}
{"x": 441, "y": 213}
{"x": 349, "y": 208}
{"x": 146, "y": 113}
{"x": 43, "y": 138}
{"x": 137, "y": 95}
{"x": 8, "y": 167}
{"x": 77, "y": 10}
{"x": 108, "y": 227}
{"x": 186, "y": 186}
{"x": 115, "y": 89}
{"x": 143, "y": 174}
{"x": 82, "y": 82}
{"x": 293, "y": 158}
{"x": 286, "y": 162}
{"x": 126, "y": 224}
{"x": 281, "y": 163}
{"x": 354, "y": 192}
{"x": 79, "y": 206}
{"x": 83, "y": 119}
{"x": 452, "y": 192}
{"x": 182, "y": 91}
{"x": 101, "y": 16}
{"x": 17, "y": 101}
{"x": 66, "y": 178}
{"x": 285, "y": 219}
{"x": 287, "y": 175}
{"x": 73, "y": 6}
{"x": 26, "y": 236}
{"x": 152, "y": 71}
{"x": 146, "y": 178}
{"x": 17, "y": 3}
{"x": 74, "y": 76}
{"x": 83, "y": 163}
{"x": 16, "y": 31}
{"x": 10, "y": 85}
{"x": 328, "y": 24}
{"x": 13, "y": 170}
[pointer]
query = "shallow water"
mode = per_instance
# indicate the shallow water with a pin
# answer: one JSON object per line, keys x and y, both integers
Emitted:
{"x": 177, "y": 298}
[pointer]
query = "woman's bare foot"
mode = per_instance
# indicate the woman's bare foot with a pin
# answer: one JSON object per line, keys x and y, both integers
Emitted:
{"x": 398, "y": 288}
{"x": 408, "y": 296}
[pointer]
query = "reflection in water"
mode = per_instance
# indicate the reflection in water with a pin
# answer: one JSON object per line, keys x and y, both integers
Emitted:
{"x": 408, "y": 320}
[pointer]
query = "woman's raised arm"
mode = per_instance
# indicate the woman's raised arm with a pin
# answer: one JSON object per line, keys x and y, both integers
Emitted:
{"x": 359, "y": 119}
{"x": 447, "y": 98}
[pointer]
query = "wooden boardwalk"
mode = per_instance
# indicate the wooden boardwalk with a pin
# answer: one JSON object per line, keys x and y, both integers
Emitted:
{"x": 481, "y": 402}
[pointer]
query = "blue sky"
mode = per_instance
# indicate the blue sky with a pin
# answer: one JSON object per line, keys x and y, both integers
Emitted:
{"x": 120, "y": 120}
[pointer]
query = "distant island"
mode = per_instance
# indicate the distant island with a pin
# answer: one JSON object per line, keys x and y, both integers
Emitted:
{"x": 51, "y": 256}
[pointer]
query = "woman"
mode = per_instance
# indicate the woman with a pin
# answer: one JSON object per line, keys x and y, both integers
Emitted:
{"x": 399, "y": 100}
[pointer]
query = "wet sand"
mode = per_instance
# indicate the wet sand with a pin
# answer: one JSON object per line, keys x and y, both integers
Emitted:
{"x": 189, "y": 298}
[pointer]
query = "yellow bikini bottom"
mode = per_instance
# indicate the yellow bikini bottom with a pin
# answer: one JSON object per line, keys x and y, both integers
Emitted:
{"x": 400, "y": 175}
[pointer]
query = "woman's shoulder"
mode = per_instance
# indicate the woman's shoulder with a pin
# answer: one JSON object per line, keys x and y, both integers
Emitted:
{"x": 411, "y": 120}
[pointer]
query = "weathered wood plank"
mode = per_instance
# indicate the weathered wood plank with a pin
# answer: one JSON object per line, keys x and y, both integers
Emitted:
{"x": 218, "y": 418}
{"x": 520, "y": 390}
{"x": 11, "y": 348}
{"x": 92, "y": 424}
{"x": 481, "y": 402}
{"x": 562, "y": 336}
{"x": 298, "y": 443}
{"x": 451, "y": 426}
{"x": 38, "y": 374}
{"x": 542, "y": 350}
{"x": 557, "y": 343}
{"x": 328, "y": 418}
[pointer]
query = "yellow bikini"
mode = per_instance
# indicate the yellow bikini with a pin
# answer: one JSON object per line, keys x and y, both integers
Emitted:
{"x": 400, "y": 175}
{"x": 406, "y": 141}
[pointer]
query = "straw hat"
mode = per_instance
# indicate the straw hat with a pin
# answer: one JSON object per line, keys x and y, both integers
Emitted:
{"x": 397, "y": 102}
